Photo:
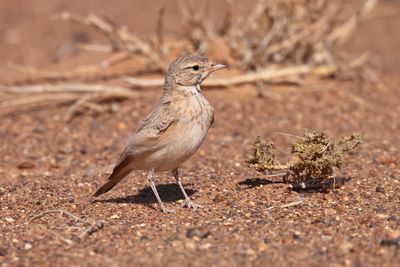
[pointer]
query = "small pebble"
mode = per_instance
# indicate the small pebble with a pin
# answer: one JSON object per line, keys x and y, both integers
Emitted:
{"x": 3, "y": 251}
{"x": 380, "y": 189}
{"x": 218, "y": 198}
{"x": 205, "y": 246}
{"x": 27, "y": 246}
{"x": 200, "y": 232}
{"x": 26, "y": 165}
{"x": 190, "y": 245}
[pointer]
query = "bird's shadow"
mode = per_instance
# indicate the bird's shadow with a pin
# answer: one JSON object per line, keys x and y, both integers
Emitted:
{"x": 310, "y": 188}
{"x": 254, "y": 182}
{"x": 167, "y": 192}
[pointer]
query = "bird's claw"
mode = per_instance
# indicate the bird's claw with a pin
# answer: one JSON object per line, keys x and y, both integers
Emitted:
{"x": 191, "y": 205}
{"x": 165, "y": 210}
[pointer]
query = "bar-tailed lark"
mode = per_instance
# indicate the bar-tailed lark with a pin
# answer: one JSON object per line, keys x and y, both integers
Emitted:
{"x": 173, "y": 131}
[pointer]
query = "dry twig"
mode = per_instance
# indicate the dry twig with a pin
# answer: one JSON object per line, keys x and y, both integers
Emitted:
{"x": 79, "y": 94}
{"x": 89, "y": 226}
{"x": 120, "y": 38}
{"x": 292, "y": 204}
{"x": 266, "y": 75}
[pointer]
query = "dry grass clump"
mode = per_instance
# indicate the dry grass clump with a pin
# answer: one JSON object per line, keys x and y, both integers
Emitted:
{"x": 280, "y": 41}
{"x": 279, "y": 32}
{"x": 316, "y": 158}
{"x": 284, "y": 32}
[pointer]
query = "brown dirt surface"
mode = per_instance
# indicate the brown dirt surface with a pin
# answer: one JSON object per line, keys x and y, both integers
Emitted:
{"x": 48, "y": 164}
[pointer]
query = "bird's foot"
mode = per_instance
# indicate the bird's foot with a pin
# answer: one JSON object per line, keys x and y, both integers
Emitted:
{"x": 165, "y": 210}
{"x": 191, "y": 205}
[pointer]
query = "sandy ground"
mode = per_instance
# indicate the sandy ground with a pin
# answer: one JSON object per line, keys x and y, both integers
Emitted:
{"x": 47, "y": 164}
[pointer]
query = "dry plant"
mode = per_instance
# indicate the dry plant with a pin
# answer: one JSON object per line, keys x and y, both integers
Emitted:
{"x": 316, "y": 158}
{"x": 280, "y": 41}
{"x": 86, "y": 227}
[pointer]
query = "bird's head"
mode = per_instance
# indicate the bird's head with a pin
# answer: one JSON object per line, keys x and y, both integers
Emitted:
{"x": 190, "y": 70}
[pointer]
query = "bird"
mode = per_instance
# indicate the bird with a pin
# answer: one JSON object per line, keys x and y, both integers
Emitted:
{"x": 173, "y": 131}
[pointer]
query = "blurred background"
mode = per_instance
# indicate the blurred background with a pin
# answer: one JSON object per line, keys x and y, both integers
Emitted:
{"x": 26, "y": 26}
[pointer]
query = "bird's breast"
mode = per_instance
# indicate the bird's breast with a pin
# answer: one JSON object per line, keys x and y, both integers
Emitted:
{"x": 191, "y": 130}
{"x": 195, "y": 121}
{"x": 199, "y": 111}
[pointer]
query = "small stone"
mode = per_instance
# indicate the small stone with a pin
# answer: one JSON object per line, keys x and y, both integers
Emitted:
{"x": 25, "y": 165}
{"x": 382, "y": 216}
{"x": 27, "y": 246}
{"x": 218, "y": 199}
{"x": 68, "y": 241}
{"x": 3, "y": 251}
{"x": 296, "y": 237}
{"x": 190, "y": 245}
{"x": 66, "y": 150}
{"x": 391, "y": 242}
{"x": 205, "y": 246}
{"x": 114, "y": 216}
{"x": 176, "y": 243}
{"x": 200, "y": 232}
{"x": 266, "y": 240}
{"x": 250, "y": 252}
{"x": 326, "y": 237}
{"x": 115, "y": 107}
{"x": 380, "y": 189}
{"x": 10, "y": 220}
{"x": 121, "y": 126}
{"x": 346, "y": 246}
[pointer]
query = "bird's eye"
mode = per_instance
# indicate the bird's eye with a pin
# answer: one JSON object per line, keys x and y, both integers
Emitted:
{"x": 195, "y": 67}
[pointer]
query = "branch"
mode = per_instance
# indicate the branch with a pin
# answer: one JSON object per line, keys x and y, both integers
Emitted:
{"x": 121, "y": 39}
{"x": 263, "y": 75}
{"x": 82, "y": 94}
{"x": 341, "y": 33}
{"x": 100, "y": 24}
{"x": 91, "y": 226}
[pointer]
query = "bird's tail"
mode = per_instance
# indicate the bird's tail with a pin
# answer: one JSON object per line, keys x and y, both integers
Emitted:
{"x": 120, "y": 172}
{"x": 112, "y": 181}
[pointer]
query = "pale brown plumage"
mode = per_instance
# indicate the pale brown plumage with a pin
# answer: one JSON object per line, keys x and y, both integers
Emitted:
{"x": 174, "y": 130}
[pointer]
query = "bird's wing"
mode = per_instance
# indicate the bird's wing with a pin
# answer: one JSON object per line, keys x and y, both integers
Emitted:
{"x": 158, "y": 120}
{"x": 149, "y": 135}
{"x": 147, "y": 138}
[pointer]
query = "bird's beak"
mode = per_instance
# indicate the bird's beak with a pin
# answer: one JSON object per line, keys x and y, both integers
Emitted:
{"x": 214, "y": 67}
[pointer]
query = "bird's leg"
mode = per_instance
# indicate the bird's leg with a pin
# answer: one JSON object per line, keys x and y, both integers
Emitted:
{"x": 153, "y": 187}
{"x": 188, "y": 202}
